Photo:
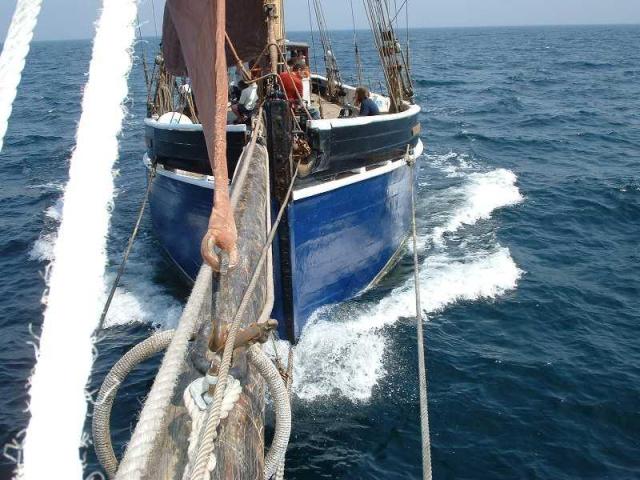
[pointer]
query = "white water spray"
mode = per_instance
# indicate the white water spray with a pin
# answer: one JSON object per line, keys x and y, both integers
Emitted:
{"x": 14, "y": 55}
{"x": 58, "y": 403}
{"x": 342, "y": 350}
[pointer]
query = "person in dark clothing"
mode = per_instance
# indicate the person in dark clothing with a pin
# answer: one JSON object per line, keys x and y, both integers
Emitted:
{"x": 368, "y": 107}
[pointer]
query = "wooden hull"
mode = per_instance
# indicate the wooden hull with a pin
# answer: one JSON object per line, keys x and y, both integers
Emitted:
{"x": 342, "y": 233}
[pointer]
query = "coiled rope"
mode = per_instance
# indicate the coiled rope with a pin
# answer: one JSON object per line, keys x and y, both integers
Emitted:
{"x": 14, "y": 55}
{"x": 289, "y": 383}
{"x": 280, "y": 395}
{"x": 422, "y": 366}
{"x": 102, "y": 411}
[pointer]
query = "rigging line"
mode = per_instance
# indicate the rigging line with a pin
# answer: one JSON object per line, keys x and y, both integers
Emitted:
{"x": 408, "y": 55}
{"x": 155, "y": 22}
{"x": 147, "y": 79}
{"x": 58, "y": 404}
{"x": 13, "y": 58}
{"x": 422, "y": 366}
{"x": 359, "y": 74}
{"x": 399, "y": 10}
{"x": 313, "y": 42}
{"x": 132, "y": 238}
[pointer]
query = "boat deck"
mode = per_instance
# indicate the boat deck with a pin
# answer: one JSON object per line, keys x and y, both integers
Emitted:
{"x": 328, "y": 109}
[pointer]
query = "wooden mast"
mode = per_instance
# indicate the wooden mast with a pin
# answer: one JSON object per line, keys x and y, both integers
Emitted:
{"x": 275, "y": 30}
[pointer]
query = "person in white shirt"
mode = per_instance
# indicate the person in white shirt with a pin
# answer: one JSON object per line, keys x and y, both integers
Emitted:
{"x": 247, "y": 102}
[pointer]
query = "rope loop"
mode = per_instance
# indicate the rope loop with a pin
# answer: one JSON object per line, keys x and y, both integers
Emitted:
{"x": 211, "y": 241}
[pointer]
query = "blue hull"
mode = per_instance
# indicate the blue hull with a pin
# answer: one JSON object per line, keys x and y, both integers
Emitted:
{"x": 342, "y": 236}
{"x": 180, "y": 215}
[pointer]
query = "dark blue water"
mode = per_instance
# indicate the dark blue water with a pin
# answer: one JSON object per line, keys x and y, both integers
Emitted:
{"x": 529, "y": 224}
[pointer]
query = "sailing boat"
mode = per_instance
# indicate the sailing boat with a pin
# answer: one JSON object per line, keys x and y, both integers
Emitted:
{"x": 349, "y": 215}
{"x": 299, "y": 203}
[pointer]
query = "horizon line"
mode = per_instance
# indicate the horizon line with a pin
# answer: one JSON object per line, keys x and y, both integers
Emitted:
{"x": 430, "y": 27}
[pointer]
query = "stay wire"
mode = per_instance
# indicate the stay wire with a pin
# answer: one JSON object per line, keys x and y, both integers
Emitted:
{"x": 127, "y": 252}
{"x": 422, "y": 366}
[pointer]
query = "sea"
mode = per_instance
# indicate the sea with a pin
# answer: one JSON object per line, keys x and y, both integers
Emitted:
{"x": 529, "y": 226}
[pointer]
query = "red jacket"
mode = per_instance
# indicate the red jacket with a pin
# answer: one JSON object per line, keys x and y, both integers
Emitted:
{"x": 291, "y": 83}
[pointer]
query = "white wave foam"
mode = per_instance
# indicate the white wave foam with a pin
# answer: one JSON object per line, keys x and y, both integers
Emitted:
{"x": 142, "y": 301}
{"x": 139, "y": 301}
{"x": 483, "y": 193}
{"x": 342, "y": 350}
{"x": 43, "y": 247}
{"x": 452, "y": 164}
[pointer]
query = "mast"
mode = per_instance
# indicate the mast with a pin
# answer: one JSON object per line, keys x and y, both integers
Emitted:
{"x": 334, "y": 79}
{"x": 392, "y": 56}
{"x": 274, "y": 10}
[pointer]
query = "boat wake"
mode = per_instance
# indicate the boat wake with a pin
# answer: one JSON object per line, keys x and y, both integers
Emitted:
{"x": 341, "y": 351}
{"x": 140, "y": 300}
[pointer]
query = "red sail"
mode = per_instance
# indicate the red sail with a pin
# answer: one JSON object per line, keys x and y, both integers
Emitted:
{"x": 193, "y": 44}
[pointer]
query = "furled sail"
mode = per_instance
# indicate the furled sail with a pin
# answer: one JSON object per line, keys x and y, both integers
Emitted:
{"x": 194, "y": 44}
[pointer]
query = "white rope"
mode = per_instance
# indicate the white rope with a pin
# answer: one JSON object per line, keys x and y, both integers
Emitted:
{"x": 198, "y": 416}
{"x": 58, "y": 404}
{"x": 281, "y": 403}
{"x": 14, "y": 55}
{"x": 422, "y": 366}
{"x": 152, "y": 419}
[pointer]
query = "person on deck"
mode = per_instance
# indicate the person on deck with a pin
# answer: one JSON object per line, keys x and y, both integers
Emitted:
{"x": 292, "y": 82}
{"x": 368, "y": 107}
{"x": 247, "y": 101}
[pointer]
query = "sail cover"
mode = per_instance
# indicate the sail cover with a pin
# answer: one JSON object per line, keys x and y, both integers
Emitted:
{"x": 193, "y": 44}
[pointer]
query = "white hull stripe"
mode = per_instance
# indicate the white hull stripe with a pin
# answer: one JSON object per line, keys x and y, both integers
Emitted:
{"x": 207, "y": 181}
{"x": 356, "y": 177}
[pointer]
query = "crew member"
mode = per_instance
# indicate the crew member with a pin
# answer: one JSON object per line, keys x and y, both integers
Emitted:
{"x": 368, "y": 107}
{"x": 247, "y": 101}
{"x": 292, "y": 82}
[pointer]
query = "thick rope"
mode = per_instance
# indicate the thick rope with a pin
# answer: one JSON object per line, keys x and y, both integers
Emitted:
{"x": 209, "y": 433}
{"x": 231, "y": 397}
{"x": 280, "y": 397}
{"x": 153, "y": 417}
{"x": 58, "y": 397}
{"x": 102, "y": 410}
{"x": 14, "y": 55}
{"x": 422, "y": 366}
{"x": 289, "y": 383}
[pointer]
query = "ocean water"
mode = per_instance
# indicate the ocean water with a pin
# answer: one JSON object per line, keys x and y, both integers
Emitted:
{"x": 529, "y": 219}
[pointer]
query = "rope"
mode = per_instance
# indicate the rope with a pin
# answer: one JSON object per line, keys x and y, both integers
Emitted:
{"x": 289, "y": 382}
{"x": 152, "y": 419}
{"x": 280, "y": 397}
{"x": 422, "y": 367}
{"x": 14, "y": 55}
{"x": 209, "y": 434}
{"x": 58, "y": 401}
{"x": 127, "y": 251}
{"x": 231, "y": 397}
{"x": 102, "y": 410}
{"x": 359, "y": 75}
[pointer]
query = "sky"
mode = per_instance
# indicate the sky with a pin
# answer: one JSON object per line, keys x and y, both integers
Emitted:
{"x": 72, "y": 19}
